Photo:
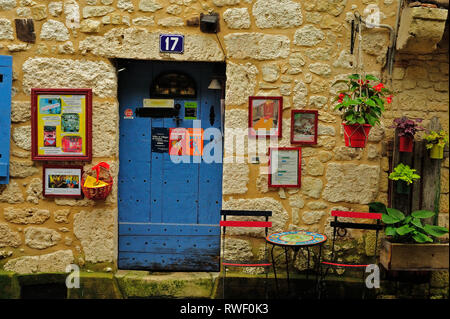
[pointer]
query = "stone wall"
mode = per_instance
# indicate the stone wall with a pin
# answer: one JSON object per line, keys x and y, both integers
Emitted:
{"x": 297, "y": 49}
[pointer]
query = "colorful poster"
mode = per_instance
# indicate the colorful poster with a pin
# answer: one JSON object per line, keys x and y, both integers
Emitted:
{"x": 61, "y": 127}
{"x": 186, "y": 141}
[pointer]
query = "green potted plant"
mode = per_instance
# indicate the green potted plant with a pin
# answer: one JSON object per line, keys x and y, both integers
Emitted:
{"x": 411, "y": 243}
{"x": 361, "y": 105}
{"x": 404, "y": 177}
{"x": 436, "y": 143}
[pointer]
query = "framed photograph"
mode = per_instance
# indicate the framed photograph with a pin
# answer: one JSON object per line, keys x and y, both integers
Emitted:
{"x": 61, "y": 124}
{"x": 285, "y": 166}
{"x": 265, "y": 115}
{"x": 62, "y": 181}
{"x": 304, "y": 127}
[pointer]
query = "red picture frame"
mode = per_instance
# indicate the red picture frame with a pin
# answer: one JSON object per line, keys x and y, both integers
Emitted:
{"x": 297, "y": 165}
{"x": 73, "y": 121}
{"x": 308, "y": 125}
{"x": 263, "y": 113}
{"x": 68, "y": 187}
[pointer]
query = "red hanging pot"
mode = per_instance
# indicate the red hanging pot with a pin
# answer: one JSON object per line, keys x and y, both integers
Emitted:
{"x": 406, "y": 143}
{"x": 355, "y": 135}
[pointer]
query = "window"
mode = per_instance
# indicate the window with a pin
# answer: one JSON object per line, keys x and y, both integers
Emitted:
{"x": 173, "y": 85}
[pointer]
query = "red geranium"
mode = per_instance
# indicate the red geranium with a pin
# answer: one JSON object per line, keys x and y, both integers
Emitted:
{"x": 389, "y": 99}
{"x": 378, "y": 87}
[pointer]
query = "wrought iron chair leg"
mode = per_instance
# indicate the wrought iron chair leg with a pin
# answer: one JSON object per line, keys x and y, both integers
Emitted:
{"x": 275, "y": 270}
{"x": 287, "y": 269}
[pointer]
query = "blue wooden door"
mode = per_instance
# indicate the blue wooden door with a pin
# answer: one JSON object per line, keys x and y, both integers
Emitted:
{"x": 5, "y": 115}
{"x": 168, "y": 212}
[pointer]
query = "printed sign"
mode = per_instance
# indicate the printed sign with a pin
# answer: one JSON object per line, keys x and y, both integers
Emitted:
{"x": 284, "y": 167}
{"x": 171, "y": 43}
{"x": 169, "y": 103}
{"x": 190, "y": 110}
{"x": 160, "y": 140}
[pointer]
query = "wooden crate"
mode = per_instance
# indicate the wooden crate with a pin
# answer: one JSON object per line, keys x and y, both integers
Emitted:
{"x": 427, "y": 257}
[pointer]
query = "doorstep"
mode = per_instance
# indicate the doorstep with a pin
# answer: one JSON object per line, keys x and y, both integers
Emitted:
{"x": 145, "y": 284}
{"x": 106, "y": 285}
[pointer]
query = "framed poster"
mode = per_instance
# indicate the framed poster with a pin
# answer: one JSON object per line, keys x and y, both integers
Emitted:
{"x": 62, "y": 181}
{"x": 285, "y": 167}
{"x": 264, "y": 118}
{"x": 61, "y": 124}
{"x": 304, "y": 126}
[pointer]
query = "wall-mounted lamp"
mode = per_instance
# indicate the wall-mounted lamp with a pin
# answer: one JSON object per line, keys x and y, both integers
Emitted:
{"x": 215, "y": 84}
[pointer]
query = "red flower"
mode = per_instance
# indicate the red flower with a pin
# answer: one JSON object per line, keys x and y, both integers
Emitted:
{"x": 389, "y": 99}
{"x": 378, "y": 87}
{"x": 341, "y": 97}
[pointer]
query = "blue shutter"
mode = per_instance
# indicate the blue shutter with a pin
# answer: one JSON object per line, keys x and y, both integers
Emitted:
{"x": 5, "y": 115}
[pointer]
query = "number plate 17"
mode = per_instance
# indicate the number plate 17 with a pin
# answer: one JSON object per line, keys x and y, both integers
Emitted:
{"x": 171, "y": 43}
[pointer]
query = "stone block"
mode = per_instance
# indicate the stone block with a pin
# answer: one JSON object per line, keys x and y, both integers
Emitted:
{"x": 95, "y": 230}
{"x": 421, "y": 29}
{"x": 351, "y": 183}
{"x": 257, "y": 46}
{"x": 53, "y": 262}
{"x": 270, "y": 14}
{"x": 41, "y": 237}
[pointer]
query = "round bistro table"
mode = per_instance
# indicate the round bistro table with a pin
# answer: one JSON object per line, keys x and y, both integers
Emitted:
{"x": 296, "y": 240}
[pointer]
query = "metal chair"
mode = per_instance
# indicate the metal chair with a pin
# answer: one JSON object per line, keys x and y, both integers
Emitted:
{"x": 340, "y": 229}
{"x": 224, "y": 223}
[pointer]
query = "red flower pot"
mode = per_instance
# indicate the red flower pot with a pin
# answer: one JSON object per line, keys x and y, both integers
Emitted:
{"x": 405, "y": 143}
{"x": 356, "y": 134}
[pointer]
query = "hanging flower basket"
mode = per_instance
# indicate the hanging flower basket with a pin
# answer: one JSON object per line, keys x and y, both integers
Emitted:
{"x": 406, "y": 143}
{"x": 97, "y": 182}
{"x": 361, "y": 104}
{"x": 355, "y": 135}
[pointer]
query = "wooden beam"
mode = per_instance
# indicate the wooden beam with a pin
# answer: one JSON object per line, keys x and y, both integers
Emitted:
{"x": 431, "y": 179}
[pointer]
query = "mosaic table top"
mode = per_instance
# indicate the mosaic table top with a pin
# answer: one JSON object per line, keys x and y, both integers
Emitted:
{"x": 296, "y": 238}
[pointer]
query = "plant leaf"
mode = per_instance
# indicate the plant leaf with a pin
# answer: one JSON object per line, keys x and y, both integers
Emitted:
{"x": 405, "y": 229}
{"x": 436, "y": 231}
{"x": 395, "y": 213}
{"x": 422, "y": 214}
{"x": 416, "y": 222}
{"x": 390, "y": 231}
{"x": 372, "y": 78}
{"x": 421, "y": 238}
{"x": 388, "y": 219}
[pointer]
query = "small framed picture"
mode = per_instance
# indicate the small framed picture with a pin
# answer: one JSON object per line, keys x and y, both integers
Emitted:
{"x": 265, "y": 115}
{"x": 285, "y": 166}
{"x": 62, "y": 181}
{"x": 61, "y": 124}
{"x": 304, "y": 127}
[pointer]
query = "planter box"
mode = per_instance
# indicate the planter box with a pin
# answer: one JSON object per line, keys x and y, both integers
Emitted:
{"x": 394, "y": 256}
